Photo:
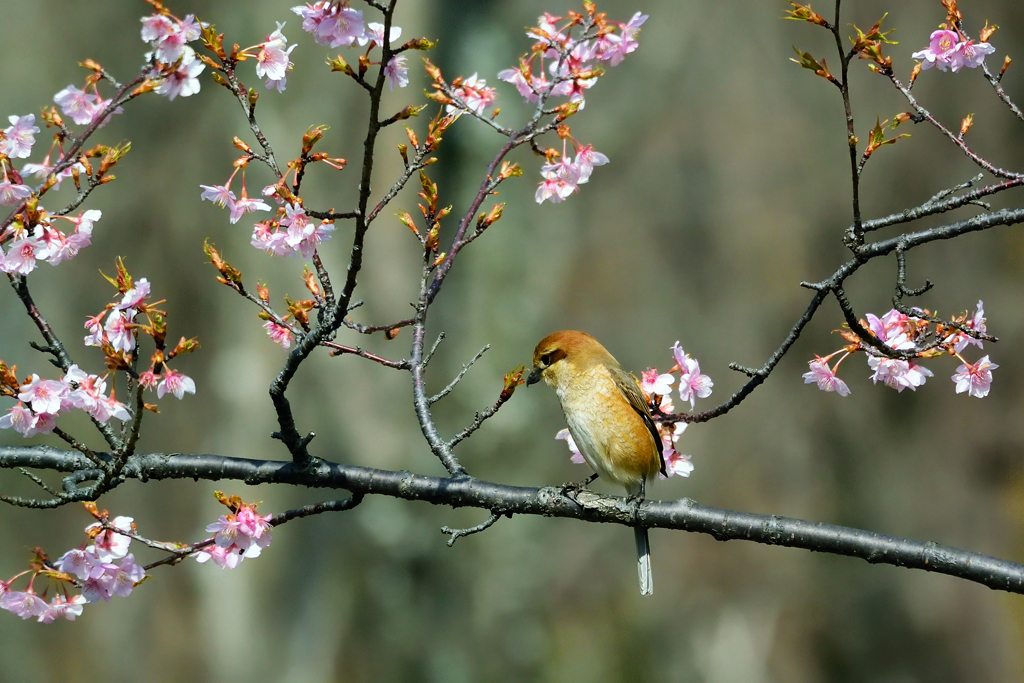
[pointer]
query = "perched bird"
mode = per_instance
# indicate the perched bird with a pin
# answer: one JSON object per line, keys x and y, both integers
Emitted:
{"x": 608, "y": 418}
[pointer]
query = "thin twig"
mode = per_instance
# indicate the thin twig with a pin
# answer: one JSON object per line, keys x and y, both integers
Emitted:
{"x": 456, "y": 534}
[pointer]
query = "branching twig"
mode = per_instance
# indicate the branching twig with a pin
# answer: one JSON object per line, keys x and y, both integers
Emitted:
{"x": 465, "y": 368}
{"x": 456, "y": 534}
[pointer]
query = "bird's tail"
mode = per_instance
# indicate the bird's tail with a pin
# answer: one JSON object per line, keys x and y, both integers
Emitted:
{"x": 643, "y": 556}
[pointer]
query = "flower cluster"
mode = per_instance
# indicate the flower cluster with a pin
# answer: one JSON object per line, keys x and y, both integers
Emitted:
{"x": 560, "y": 65}
{"x": 336, "y": 24}
{"x": 570, "y": 61}
{"x": 240, "y": 534}
{"x": 905, "y": 333}
{"x": 176, "y": 67}
{"x": 952, "y": 50}
{"x": 38, "y": 238}
{"x": 563, "y": 177}
{"x": 657, "y": 389}
{"x": 40, "y": 401}
{"x": 291, "y": 233}
{"x": 101, "y": 570}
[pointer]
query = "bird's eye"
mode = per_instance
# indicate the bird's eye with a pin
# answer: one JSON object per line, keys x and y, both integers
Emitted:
{"x": 546, "y": 359}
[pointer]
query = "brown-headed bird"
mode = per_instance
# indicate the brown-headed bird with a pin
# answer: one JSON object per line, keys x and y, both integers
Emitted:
{"x": 607, "y": 416}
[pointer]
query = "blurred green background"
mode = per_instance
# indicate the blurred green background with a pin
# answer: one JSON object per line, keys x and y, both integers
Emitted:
{"x": 728, "y": 185}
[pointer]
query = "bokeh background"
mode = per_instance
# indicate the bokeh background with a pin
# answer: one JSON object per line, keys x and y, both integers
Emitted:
{"x": 728, "y": 185}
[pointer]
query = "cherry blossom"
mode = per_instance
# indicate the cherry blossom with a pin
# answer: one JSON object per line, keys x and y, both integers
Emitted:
{"x": 118, "y": 331}
{"x": 618, "y": 46}
{"x": 969, "y": 54}
{"x": 25, "y": 604}
{"x": 61, "y": 606}
{"x": 22, "y": 254}
{"x": 272, "y": 59}
{"x": 474, "y": 93}
{"x": 156, "y": 27}
{"x": 375, "y": 33}
{"x": 976, "y": 378}
{"x": 107, "y": 579}
{"x": 656, "y": 384}
{"x": 77, "y": 562}
{"x": 220, "y": 195}
{"x": 825, "y": 377}
{"x": 79, "y": 105}
{"x": 946, "y": 50}
{"x": 225, "y": 558}
{"x": 12, "y": 193}
{"x": 20, "y": 419}
{"x": 273, "y": 241}
{"x": 576, "y": 456}
{"x": 898, "y": 374}
{"x": 19, "y": 136}
{"x": 175, "y": 383}
{"x": 184, "y": 80}
{"x": 246, "y": 205}
{"x": 692, "y": 384}
{"x": 95, "y": 327}
{"x": 333, "y": 24}
{"x": 397, "y": 72}
{"x": 136, "y": 295}
{"x": 108, "y": 544}
{"x": 44, "y": 395}
{"x": 279, "y": 334}
{"x": 960, "y": 340}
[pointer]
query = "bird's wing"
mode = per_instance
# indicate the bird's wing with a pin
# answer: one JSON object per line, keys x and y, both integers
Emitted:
{"x": 627, "y": 384}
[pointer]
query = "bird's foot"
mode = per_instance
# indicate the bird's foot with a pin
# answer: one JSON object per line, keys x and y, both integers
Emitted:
{"x": 571, "y": 488}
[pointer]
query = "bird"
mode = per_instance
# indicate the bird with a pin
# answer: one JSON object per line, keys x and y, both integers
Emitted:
{"x": 608, "y": 418}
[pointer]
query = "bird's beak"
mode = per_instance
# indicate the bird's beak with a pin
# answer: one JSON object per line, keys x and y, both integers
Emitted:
{"x": 533, "y": 377}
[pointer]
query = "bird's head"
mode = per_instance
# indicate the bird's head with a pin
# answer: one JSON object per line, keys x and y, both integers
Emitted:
{"x": 562, "y": 355}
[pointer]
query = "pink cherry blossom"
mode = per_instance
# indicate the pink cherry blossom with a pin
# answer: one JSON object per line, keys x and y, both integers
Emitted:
{"x": 272, "y": 241}
{"x": 825, "y": 377}
{"x": 576, "y": 456}
{"x": 692, "y": 384}
{"x": 20, "y": 136}
{"x": 898, "y": 374}
{"x": 174, "y": 382}
{"x": 474, "y": 93}
{"x": 155, "y": 27}
{"x": 656, "y": 384}
{"x": 616, "y": 47}
{"x": 95, "y": 327}
{"x": 375, "y": 33}
{"x": 976, "y": 378}
{"x": 977, "y": 323}
{"x": 108, "y": 544}
{"x": 148, "y": 379}
{"x": 22, "y": 254}
{"x": 184, "y": 80}
{"x": 20, "y": 419}
{"x": 118, "y": 332}
{"x": 61, "y": 606}
{"x": 397, "y": 72}
{"x": 333, "y": 24}
{"x": 25, "y": 604}
{"x": 12, "y": 193}
{"x": 969, "y": 54}
{"x": 940, "y": 50}
{"x": 272, "y": 59}
{"x": 246, "y": 205}
{"x": 44, "y": 395}
{"x": 107, "y": 407}
{"x": 77, "y": 562}
{"x": 676, "y": 463}
{"x": 79, "y": 105}
{"x": 586, "y": 159}
{"x": 554, "y": 189}
{"x": 225, "y": 558}
{"x": 136, "y": 295}
{"x": 219, "y": 195}
{"x": 279, "y": 334}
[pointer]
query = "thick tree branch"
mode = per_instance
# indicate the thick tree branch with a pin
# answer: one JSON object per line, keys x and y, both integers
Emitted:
{"x": 500, "y": 499}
